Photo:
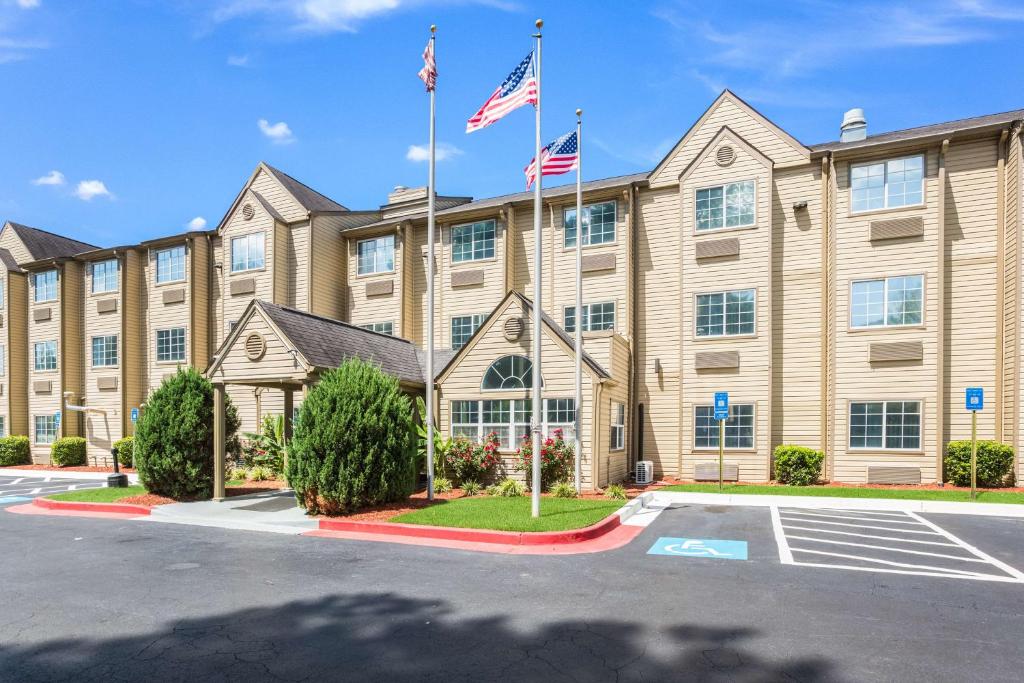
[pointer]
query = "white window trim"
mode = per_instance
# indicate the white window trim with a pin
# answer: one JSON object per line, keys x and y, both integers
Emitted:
{"x": 117, "y": 351}
{"x": 451, "y": 339}
{"x": 615, "y": 316}
{"x": 56, "y": 286}
{"x": 117, "y": 277}
{"x": 707, "y": 337}
{"x": 883, "y": 401}
{"x": 724, "y": 228}
{"x": 451, "y": 244}
{"x": 615, "y": 239}
{"x": 35, "y": 431}
{"x": 621, "y": 434}
{"x": 369, "y": 327}
{"x": 3, "y": 360}
{"x": 714, "y": 449}
{"x": 394, "y": 256}
{"x": 156, "y": 265}
{"x": 885, "y": 184}
{"x": 56, "y": 355}
{"x": 156, "y": 346}
{"x": 246, "y": 236}
{"x": 885, "y": 303}
{"x": 513, "y": 438}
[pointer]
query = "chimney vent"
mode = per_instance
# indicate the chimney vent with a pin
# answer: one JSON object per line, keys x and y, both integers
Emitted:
{"x": 855, "y": 126}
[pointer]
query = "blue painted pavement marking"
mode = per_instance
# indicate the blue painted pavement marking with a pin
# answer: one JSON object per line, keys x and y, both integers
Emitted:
{"x": 700, "y": 547}
{"x": 7, "y": 500}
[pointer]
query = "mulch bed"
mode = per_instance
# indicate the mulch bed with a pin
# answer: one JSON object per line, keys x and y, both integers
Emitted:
{"x": 146, "y": 499}
{"x": 75, "y": 468}
{"x": 255, "y": 487}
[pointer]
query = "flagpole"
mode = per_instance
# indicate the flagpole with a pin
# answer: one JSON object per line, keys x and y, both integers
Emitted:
{"x": 578, "y": 442}
{"x": 537, "y": 313}
{"x": 430, "y": 293}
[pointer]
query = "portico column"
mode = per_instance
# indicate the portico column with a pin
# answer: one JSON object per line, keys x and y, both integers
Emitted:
{"x": 288, "y": 409}
{"x": 218, "y": 442}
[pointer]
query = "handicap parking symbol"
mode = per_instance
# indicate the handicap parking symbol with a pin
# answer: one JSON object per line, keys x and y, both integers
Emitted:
{"x": 700, "y": 547}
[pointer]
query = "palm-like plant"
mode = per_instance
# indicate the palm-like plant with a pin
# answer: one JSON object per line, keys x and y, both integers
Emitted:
{"x": 441, "y": 444}
{"x": 267, "y": 448}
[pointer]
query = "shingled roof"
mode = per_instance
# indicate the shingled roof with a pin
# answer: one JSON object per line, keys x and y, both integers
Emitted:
{"x": 9, "y": 262}
{"x": 310, "y": 199}
{"x": 45, "y": 245}
{"x": 923, "y": 132}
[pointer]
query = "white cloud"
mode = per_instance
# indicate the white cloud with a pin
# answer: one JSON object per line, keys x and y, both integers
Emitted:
{"x": 197, "y": 223}
{"x": 87, "y": 190}
{"x": 28, "y": 4}
{"x": 279, "y": 133}
{"x": 238, "y": 60}
{"x": 51, "y": 178}
{"x": 443, "y": 152}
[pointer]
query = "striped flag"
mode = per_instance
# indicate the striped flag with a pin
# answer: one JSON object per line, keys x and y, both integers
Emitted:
{"x": 428, "y": 74}
{"x": 518, "y": 89}
{"x": 560, "y": 156}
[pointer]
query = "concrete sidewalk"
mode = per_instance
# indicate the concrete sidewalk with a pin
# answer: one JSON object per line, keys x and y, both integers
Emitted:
{"x": 820, "y": 503}
{"x": 273, "y": 511}
{"x": 133, "y": 478}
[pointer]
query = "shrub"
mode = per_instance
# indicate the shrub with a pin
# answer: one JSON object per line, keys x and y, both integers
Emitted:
{"x": 355, "y": 443}
{"x": 564, "y": 489}
{"x": 995, "y": 463}
{"x": 556, "y": 458}
{"x": 266, "y": 449}
{"x": 15, "y": 450}
{"x": 507, "y": 488}
{"x": 493, "y": 490}
{"x": 174, "y": 437}
{"x": 470, "y": 461}
{"x": 615, "y": 492}
{"x": 797, "y": 465}
{"x": 442, "y": 485}
{"x": 68, "y": 451}
{"x": 471, "y": 488}
{"x": 125, "y": 449}
{"x": 259, "y": 473}
{"x": 441, "y": 444}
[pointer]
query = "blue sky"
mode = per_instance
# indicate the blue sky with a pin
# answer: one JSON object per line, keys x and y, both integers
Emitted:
{"x": 122, "y": 120}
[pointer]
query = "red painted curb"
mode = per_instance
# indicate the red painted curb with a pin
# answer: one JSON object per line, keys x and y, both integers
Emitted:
{"x": 476, "y": 535}
{"x": 82, "y": 506}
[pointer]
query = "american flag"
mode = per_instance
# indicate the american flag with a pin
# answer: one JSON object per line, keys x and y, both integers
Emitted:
{"x": 428, "y": 74}
{"x": 518, "y": 89}
{"x": 560, "y": 156}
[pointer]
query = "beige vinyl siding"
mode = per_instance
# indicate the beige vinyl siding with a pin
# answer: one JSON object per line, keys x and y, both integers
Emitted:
{"x": 6, "y": 352}
{"x": 102, "y": 429}
{"x": 162, "y": 316}
{"x": 200, "y": 303}
{"x": 469, "y": 300}
{"x": 18, "y": 354}
{"x": 40, "y": 403}
{"x": 613, "y": 463}
{"x": 135, "y": 336}
{"x": 10, "y": 241}
{"x": 364, "y": 309}
{"x": 1011, "y": 290}
{"x": 276, "y": 195}
{"x": 298, "y": 266}
{"x": 70, "y": 348}
{"x": 329, "y": 268}
{"x": 218, "y": 276}
{"x": 270, "y": 280}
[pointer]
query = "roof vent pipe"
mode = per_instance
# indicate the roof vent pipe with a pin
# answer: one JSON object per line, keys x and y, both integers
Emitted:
{"x": 855, "y": 126}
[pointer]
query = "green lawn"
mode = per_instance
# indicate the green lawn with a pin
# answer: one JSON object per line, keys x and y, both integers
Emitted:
{"x": 512, "y": 514}
{"x": 104, "y": 495}
{"x": 984, "y": 495}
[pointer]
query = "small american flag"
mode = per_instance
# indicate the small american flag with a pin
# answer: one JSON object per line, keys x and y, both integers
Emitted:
{"x": 428, "y": 74}
{"x": 560, "y": 156}
{"x": 518, "y": 89}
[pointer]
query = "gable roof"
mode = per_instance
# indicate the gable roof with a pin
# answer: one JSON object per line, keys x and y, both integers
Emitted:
{"x": 42, "y": 244}
{"x": 310, "y": 199}
{"x": 9, "y": 263}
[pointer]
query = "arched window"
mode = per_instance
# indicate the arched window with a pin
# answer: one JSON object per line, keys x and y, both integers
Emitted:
{"x": 508, "y": 372}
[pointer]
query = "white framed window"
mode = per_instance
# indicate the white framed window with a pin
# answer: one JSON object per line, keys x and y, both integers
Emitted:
{"x": 45, "y": 355}
{"x": 44, "y": 286}
{"x": 508, "y": 373}
{"x": 247, "y": 252}
{"x": 595, "y": 317}
{"x": 725, "y": 314}
{"x": 104, "y": 351}
{"x": 170, "y": 345}
{"x": 473, "y": 241}
{"x": 726, "y": 206}
{"x": 104, "y": 276}
{"x": 598, "y": 224}
{"x": 2, "y": 294}
{"x": 886, "y": 425}
{"x": 376, "y": 255}
{"x": 3, "y": 360}
{"x": 170, "y": 264}
{"x": 464, "y": 326}
{"x": 887, "y": 184}
{"x": 3, "y": 427}
{"x": 618, "y": 435}
{"x": 382, "y": 327}
{"x": 739, "y": 428}
{"x": 510, "y": 419}
{"x": 887, "y": 302}
{"x": 45, "y": 429}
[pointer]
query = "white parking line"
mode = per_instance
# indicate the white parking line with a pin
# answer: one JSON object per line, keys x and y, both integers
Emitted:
{"x": 862, "y": 519}
{"x": 868, "y": 526}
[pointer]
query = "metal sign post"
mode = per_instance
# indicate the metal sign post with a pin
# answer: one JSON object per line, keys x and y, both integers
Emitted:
{"x": 721, "y": 414}
{"x": 974, "y": 400}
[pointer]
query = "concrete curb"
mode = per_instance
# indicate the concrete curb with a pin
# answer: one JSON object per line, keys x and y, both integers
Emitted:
{"x": 814, "y": 502}
{"x": 82, "y": 506}
{"x": 133, "y": 477}
{"x": 509, "y": 538}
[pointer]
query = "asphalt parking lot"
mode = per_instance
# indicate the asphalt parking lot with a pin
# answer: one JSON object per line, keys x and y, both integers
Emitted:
{"x": 22, "y": 489}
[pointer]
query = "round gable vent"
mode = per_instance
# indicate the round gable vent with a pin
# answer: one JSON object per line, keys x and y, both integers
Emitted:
{"x": 248, "y": 212}
{"x": 255, "y": 346}
{"x": 725, "y": 155}
{"x": 513, "y": 329}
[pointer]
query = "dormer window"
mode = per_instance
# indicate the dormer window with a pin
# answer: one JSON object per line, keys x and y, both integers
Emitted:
{"x": 887, "y": 184}
{"x": 725, "y": 206}
{"x": 247, "y": 252}
{"x": 44, "y": 286}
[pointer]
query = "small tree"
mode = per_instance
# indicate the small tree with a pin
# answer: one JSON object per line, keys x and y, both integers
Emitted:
{"x": 354, "y": 444}
{"x": 174, "y": 437}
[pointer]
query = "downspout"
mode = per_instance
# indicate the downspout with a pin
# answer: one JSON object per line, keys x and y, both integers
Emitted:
{"x": 826, "y": 318}
{"x": 631, "y": 283}
{"x": 940, "y": 374}
{"x": 1000, "y": 279}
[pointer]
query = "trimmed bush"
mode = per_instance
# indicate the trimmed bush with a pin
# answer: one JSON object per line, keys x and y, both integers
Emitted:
{"x": 797, "y": 465}
{"x": 68, "y": 451}
{"x": 995, "y": 463}
{"x": 15, "y": 450}
{"x": 125, "y": 451}
{"x": 355, "y": 442}
{"x": 174, "y": 437}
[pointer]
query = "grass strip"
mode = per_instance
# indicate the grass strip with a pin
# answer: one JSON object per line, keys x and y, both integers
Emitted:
{"x": 101, "y": 495}
{"x": 512, "y": 514}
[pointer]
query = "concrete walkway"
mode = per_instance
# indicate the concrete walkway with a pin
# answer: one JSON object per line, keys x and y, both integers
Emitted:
{"x": 133, "y": 478}
{"x": 273, "y": 511}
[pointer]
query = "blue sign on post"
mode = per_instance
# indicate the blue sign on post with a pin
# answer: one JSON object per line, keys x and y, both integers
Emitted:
{"x": 56, "y": 418}
{"x": 721, "y": 405}
{"x": 975, "y": 398}
{"x": 135, "y": 415}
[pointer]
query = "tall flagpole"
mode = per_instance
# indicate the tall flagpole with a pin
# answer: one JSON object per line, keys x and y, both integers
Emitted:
{"x": 430, "y": 295}
{"x": 537, "y": 267}
{"x": 577, "y": 441}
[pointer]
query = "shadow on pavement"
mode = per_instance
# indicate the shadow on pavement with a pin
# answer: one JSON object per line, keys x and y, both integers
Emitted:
{"x": 386, "y": 637}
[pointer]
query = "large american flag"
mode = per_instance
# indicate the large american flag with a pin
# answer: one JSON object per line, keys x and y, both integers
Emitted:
{"x": 428, "y": 74}
{"x": 560, "y": 156}
{"x": 518, "y": 89}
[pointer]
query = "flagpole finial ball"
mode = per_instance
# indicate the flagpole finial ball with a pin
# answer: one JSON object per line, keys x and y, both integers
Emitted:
{"x": 539, "y": 23}
{"x": 433, "y": 28}
{"x": 579, "y": 112}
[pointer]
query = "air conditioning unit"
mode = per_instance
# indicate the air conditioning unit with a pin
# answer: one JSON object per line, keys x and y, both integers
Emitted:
{"x": 644, "y": 471}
